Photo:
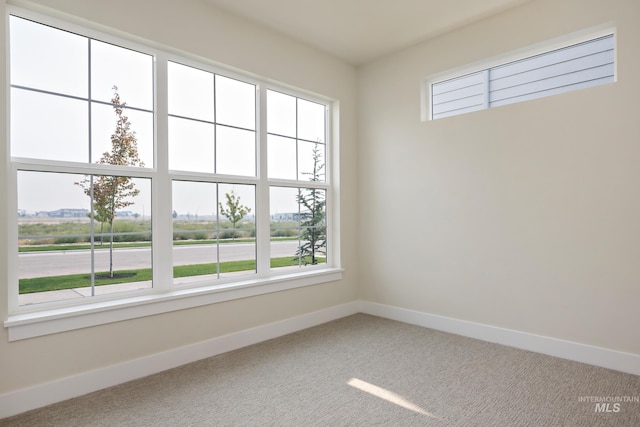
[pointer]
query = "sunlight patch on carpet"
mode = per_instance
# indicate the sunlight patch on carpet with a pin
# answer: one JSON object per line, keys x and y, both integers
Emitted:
{"x": 387, "y": 395}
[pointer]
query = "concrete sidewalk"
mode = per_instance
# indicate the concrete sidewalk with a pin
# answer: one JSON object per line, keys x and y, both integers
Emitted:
{"x": 75, "y": 293}
{"x": 68, "y": 294}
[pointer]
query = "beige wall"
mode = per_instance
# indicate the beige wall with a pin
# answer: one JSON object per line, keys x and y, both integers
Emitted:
{"x": 524, "y": 217}
{"x": 193, "y": 27}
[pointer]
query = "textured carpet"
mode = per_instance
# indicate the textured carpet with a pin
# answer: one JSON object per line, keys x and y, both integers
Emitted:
{"x": 360, "y": 371}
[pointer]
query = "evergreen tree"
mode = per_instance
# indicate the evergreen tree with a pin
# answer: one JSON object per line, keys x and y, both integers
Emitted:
{"x": 313, "y": 216}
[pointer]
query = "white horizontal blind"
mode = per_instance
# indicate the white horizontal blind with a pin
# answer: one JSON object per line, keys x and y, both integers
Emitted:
{"x": 570, "y": 68}
{"x": 575, "y": 67}
{"x": 459, "y": 95}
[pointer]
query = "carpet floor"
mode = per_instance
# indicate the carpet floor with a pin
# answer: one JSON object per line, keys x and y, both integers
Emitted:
{"x": 362, "y": 371}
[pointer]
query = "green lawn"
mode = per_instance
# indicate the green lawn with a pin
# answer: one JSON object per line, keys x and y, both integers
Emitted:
{"x": 55, "y": 283}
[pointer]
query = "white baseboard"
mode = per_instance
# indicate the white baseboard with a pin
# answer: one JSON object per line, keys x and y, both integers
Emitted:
{"x": 23, "y": 400}
{"x": 597, "y": 356}
{"x": 16, "y": 402}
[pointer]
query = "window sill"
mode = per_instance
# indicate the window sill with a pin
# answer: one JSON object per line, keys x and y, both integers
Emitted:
{"x": 45, "y": 322}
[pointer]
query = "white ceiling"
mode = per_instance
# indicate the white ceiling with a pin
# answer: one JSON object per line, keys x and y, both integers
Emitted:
{"x": 359, "y": 31}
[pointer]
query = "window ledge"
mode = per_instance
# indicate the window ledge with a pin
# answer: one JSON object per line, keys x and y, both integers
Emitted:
{"x": 45, "y": 322}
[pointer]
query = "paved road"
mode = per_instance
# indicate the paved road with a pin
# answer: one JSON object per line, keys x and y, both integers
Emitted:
{"x": 58, "y": 263}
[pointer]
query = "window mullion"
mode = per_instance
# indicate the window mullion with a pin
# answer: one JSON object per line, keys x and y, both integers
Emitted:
{"x": 12, "y": 238}
{"x": 485, "y": 88}
{"x": 90, "y": 152}
{"x": 162, "y": 221}
{"x": 263, "y": 223}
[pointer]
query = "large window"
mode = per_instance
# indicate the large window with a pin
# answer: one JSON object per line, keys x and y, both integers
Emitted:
{"x": 82, "y": 141}
{"x": 572, "y": 67}
{"x": 212, "y": 133}
{"x": 297, "y": 156}
{"x": 142, "y": 173}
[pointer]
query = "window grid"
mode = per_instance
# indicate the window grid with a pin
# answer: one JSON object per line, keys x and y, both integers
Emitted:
{"x": 92, "y": 177}
{"x": 160, "y": 176}
{"x": 312, "y": 189}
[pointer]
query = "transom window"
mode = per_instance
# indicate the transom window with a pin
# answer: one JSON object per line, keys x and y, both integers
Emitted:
{"x": 573, "y": 67}
{"x": 112, "y": 199}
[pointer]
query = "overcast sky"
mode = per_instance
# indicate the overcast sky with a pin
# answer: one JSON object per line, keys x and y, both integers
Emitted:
{"x": 56, "y": 126}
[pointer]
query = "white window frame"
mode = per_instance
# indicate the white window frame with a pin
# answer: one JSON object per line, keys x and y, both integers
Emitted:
{"x": 483, "y": 66}
{"x": 48, "y": 318}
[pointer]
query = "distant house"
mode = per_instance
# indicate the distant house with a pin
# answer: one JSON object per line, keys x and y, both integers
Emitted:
{"x": 285, "y": 216}
{"x": 68, "y": 213}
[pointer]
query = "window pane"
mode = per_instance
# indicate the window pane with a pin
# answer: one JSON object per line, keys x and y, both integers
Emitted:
{"x": 312, "y": 247}
{"x": 310, "y": 161}
{"x": 285, "y": 226}
{"x": 311, "y": 125}
{"x": 305, "y": 158}
{"x": 130, "y": 71}
{"x": 213, "y": 236}
{"x": 281, "y": 114}
{"x": 36, "y": 48}
{"x": 48, "y": 127}
{"x": 281, "y": 157}
{"x": 191, "y": 145}
{"x": 458, "y": 95}
{"x": 104, "y": 124}
{"x": 235, "y": 103}
{"x": 573, "y": 67}
{"x": 235, "y": 151}
{"x": 54, "y": 214}
{"x": 132, "y": 256}
{"x": 298, "y": 226}
{"x": 195, "y": 251}
{"x": 237, "y": 228}
{"x": 190, "y": 92}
